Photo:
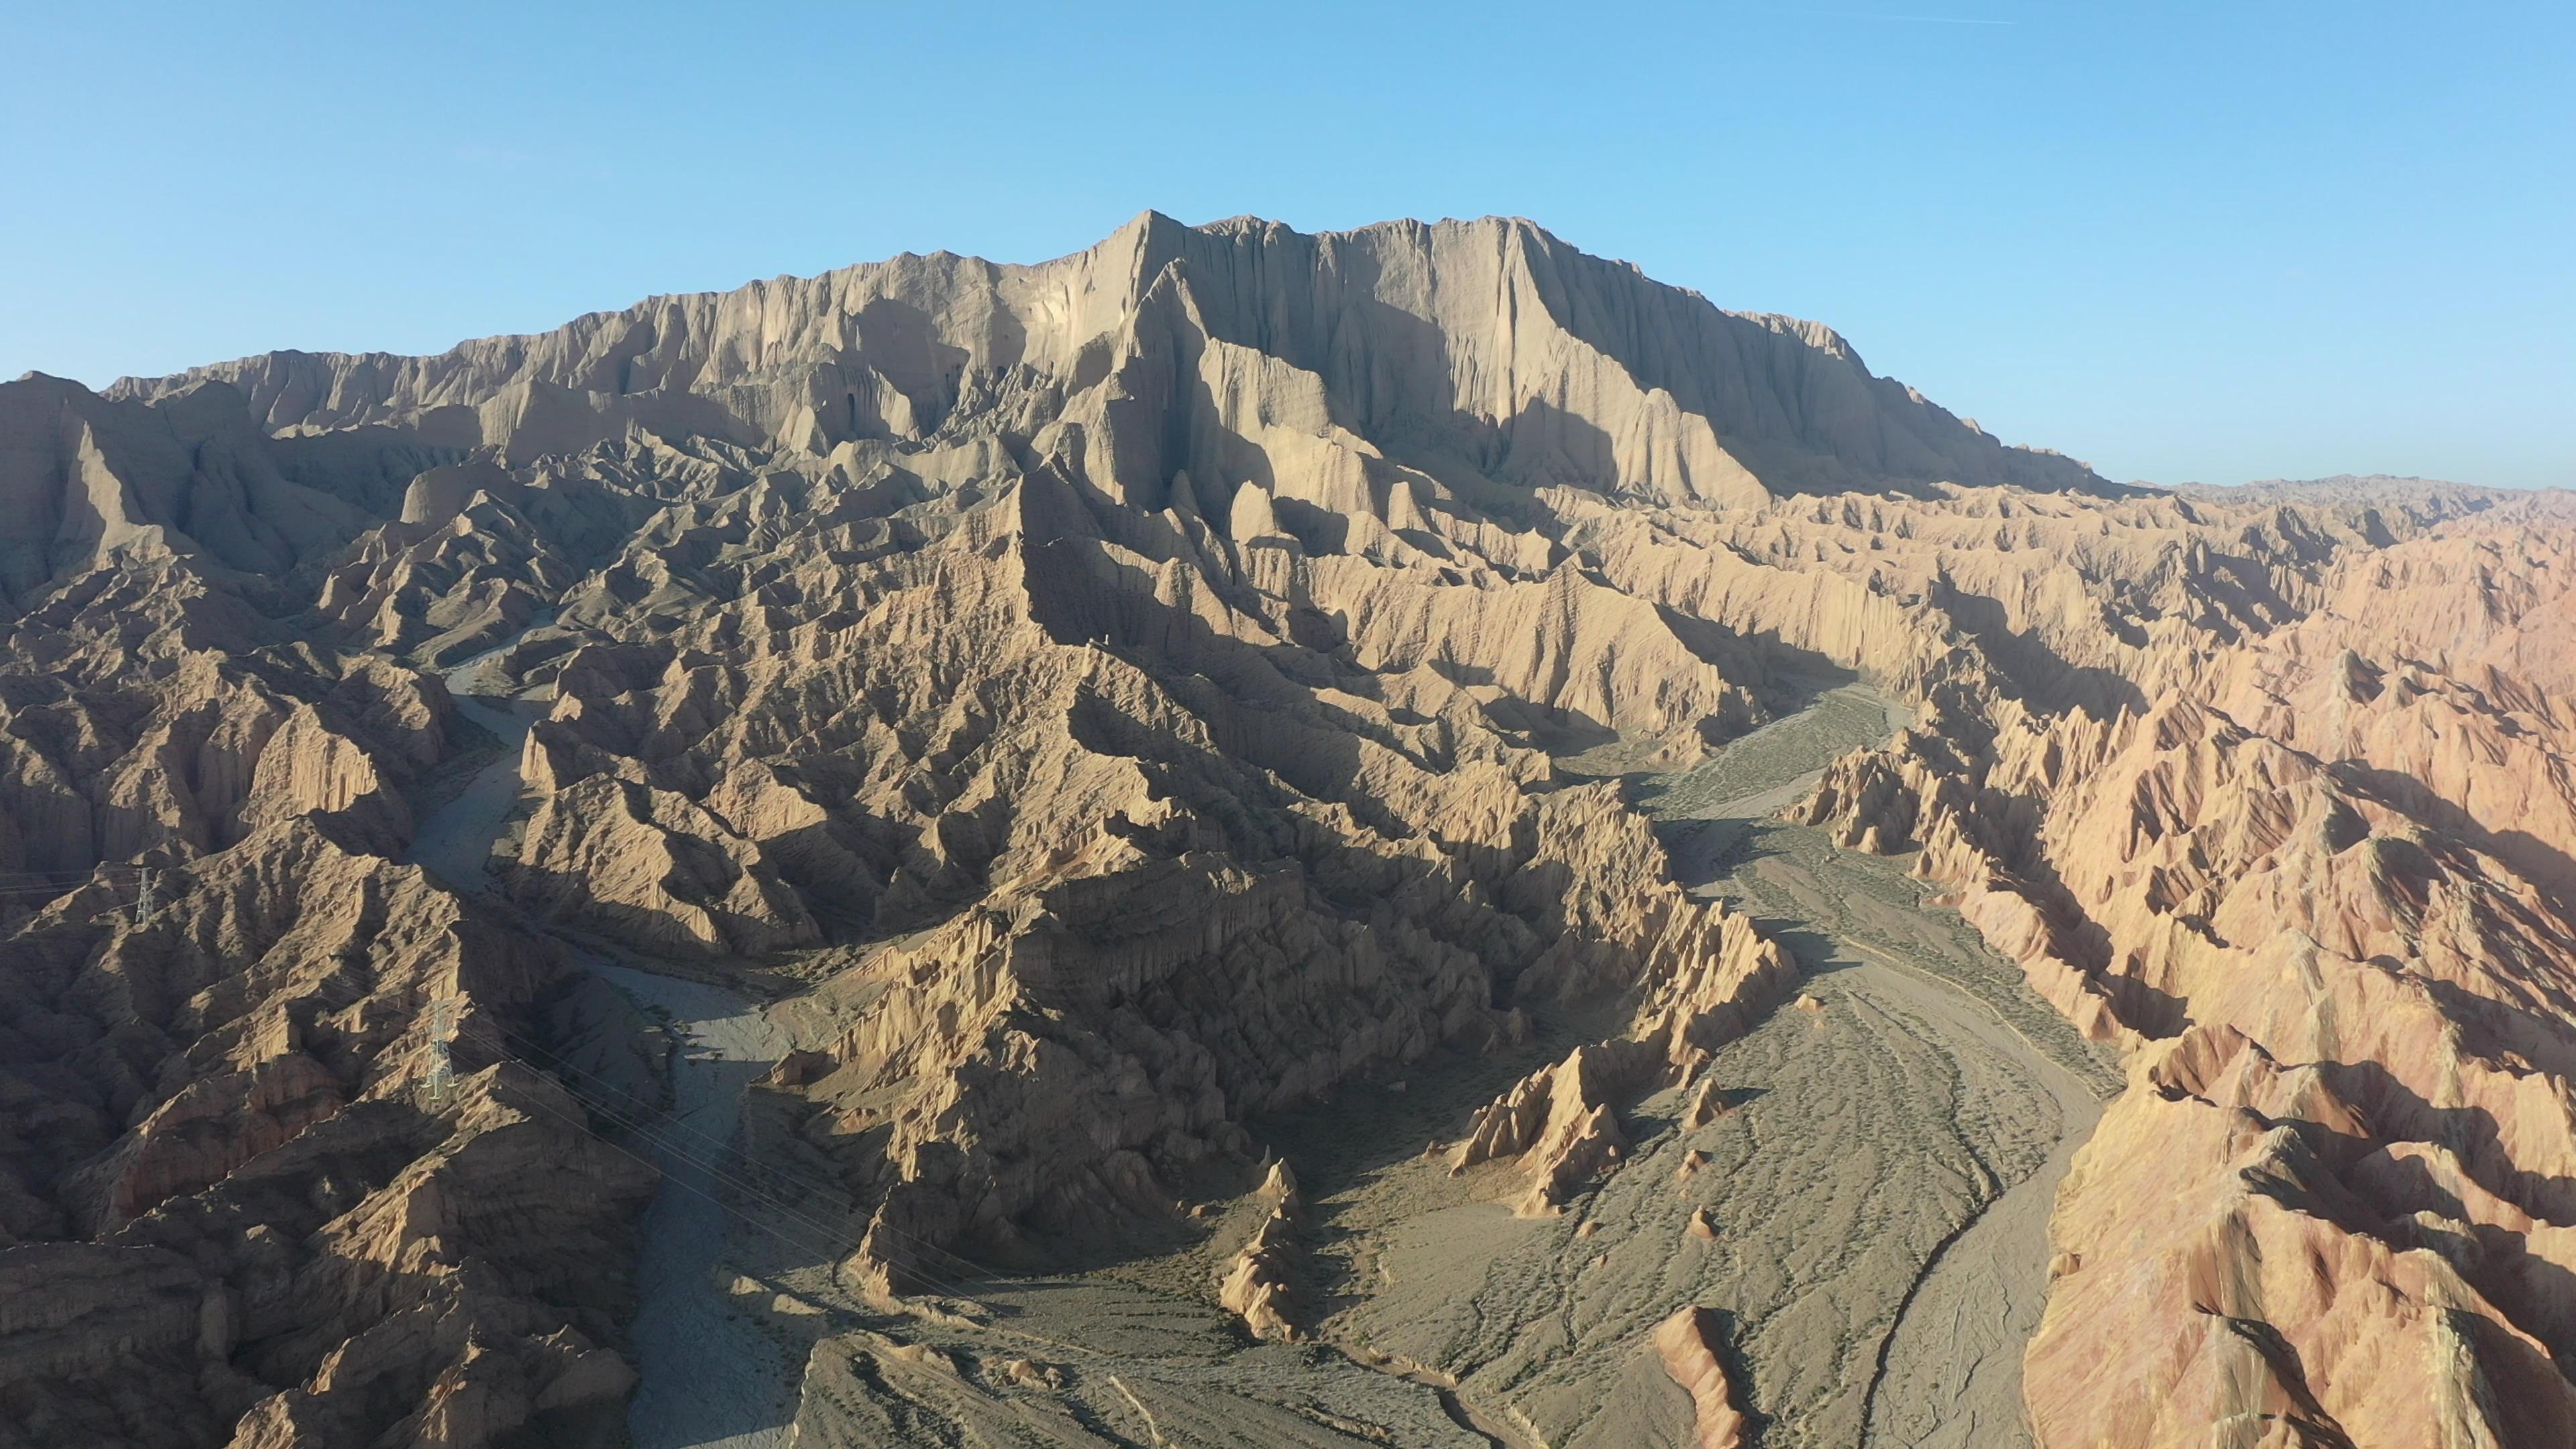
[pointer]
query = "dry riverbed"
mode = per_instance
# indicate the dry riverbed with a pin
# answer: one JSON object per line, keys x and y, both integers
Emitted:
{"x": 710, "y": 1374}
{"x": 1880, "y": 1193}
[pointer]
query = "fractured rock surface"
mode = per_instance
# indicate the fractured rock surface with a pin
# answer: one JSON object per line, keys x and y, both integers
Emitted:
{"x": 1228, "y": 692}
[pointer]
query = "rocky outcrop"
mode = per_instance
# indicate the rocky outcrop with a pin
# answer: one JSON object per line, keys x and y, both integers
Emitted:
{"x": 225, "y": 1213}
{"x": 89, "y": 481}
{"x": 2318, "y": 886}
{"x": 1558, "y": 1122}
{"x": 1258, "y": 1285}
{"x": 653, "y": 866}
{"x": 1561, "y": 1124}
{"x": 1145, "y": 691}
{"x": 438, "y": 1302}
{"x": 1688, "y": 1343}
{"x": 103, "y": 1344}
{"x": 326, "y": 1248}
{"x": 2300, "y": 1297}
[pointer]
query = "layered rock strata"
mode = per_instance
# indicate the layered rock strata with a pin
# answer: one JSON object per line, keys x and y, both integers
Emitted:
{"x": 2316, "y": 880}
{"x": 1132, "y": 694}
{"x": 1561, "y": 1124}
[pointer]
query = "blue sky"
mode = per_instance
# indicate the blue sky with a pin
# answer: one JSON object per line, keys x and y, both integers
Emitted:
{"x": 2182, "y": 241}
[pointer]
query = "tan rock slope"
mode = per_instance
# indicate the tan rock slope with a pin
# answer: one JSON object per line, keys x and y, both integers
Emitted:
{"x": 1121, "y": 699}
{"x": 2315, "y": 874}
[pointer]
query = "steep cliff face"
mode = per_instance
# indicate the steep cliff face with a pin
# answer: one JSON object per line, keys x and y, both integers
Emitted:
{"x": 1129, "y": 695}
{"x": 2317, "y": 878}
{"x": 1486, "y": 342}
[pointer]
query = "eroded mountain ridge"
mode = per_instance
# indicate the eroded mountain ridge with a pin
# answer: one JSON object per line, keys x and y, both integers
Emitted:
{"x": 1114, "y": 702}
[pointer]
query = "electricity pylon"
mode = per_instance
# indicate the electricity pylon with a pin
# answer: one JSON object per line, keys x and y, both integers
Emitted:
{"x": 442, "y": 1065}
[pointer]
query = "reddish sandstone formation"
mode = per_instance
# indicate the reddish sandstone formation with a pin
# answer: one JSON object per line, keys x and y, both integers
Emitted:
{"x": 1134, "y": 693}
{"x": 2319, "y": 883}
{"x": 1687, "y": 1343}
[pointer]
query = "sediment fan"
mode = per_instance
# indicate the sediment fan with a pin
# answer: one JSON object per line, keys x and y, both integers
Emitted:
{"x": 1596, "y": 869}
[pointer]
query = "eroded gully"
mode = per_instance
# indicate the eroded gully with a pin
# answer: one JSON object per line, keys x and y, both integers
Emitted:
{"x": 1948, "y": 1370}
{"x": 708, "y": 1377}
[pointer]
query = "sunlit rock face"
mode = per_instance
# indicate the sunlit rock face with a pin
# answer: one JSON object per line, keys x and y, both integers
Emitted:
{"x": 1131, "y": 694}
{"x": 2315, "y": 875}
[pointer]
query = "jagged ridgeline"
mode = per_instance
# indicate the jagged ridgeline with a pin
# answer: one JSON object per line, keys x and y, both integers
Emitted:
{"x": 1114, "y": 708}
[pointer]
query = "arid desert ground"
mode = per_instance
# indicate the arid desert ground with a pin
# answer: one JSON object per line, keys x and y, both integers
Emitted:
{"x": 1393, "y": 837}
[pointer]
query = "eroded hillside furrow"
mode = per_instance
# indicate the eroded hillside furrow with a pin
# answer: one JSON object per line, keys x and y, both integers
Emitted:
{"x": 1862, "y": 1183}
{"x": 707, "y": 1374}
{"x": 1396, "y": 836}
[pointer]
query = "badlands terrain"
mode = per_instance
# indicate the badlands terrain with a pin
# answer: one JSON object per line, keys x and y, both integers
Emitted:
{"x": 1401, "y": 837}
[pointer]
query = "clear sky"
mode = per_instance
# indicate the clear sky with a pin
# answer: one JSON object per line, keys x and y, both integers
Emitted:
{"x": 2211, "y": 241}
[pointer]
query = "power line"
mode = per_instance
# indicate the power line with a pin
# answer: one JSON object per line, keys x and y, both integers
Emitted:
{"x": 660, "y": 1134}
{"x": 442, "y": 1066}
{"x": 664, "y": 1134}
{"x": 842, "y": 1246}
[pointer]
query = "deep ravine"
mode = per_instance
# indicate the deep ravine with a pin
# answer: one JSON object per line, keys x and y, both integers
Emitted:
{"x": 708, "y": 1376}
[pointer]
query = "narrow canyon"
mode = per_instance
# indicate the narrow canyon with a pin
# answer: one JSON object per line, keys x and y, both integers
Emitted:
{"x": 1401, "y": 836}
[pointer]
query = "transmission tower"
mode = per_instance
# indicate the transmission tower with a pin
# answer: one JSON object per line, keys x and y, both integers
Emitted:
{"x": 143, "y": 898}
{"x": 442, "y": 1065}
